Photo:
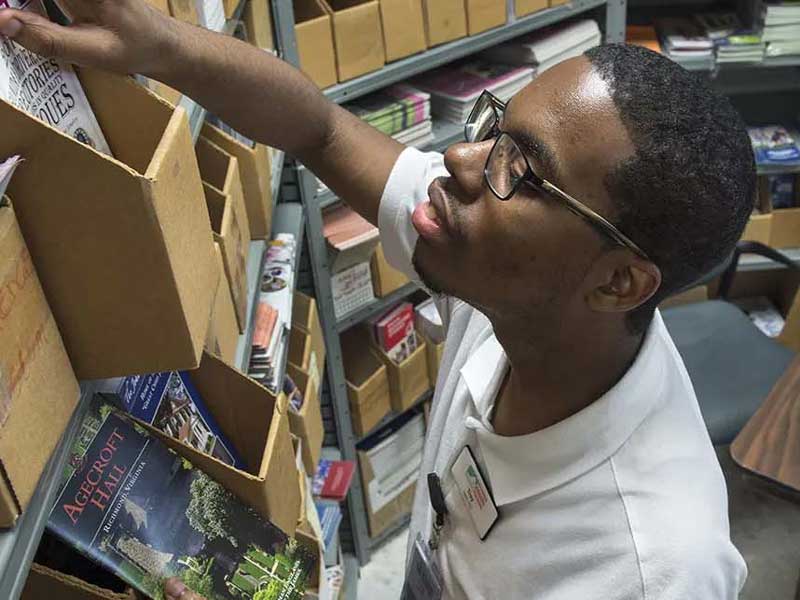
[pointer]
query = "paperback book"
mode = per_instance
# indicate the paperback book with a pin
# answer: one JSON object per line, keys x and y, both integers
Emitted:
{"x": 774, "y": 145}
{"x": 146, "y": 514}
{"x": 394, "y": 109}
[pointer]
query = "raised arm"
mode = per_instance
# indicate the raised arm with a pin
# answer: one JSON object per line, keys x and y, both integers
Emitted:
{"x": 256, "y": 93}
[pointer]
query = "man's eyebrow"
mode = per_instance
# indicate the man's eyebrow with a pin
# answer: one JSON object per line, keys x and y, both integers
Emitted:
{"x": 542, "y": 157}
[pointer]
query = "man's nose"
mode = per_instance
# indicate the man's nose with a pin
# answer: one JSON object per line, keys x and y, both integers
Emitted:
{"x": 465, "y": 163}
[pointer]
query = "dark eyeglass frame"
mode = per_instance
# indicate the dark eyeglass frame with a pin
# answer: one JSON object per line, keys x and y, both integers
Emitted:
{"x": 533, "y": 180}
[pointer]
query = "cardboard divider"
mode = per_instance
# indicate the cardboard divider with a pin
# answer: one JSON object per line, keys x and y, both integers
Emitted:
{"x": 526, "y": 7}
{"x": 258, "y": 22}
{"x": 306, "y": 341}
{"x": 758, "y": 228}
{"x": 483, "y": 15}
{"x": 409, "y": 379}
{"x": 785, "y": 230}
{"x": 44, "y": 583}
{"x": 433, "y": 356}
{"x": 256, "y": 176}
{"x": 184, "y": 10}
{"x": 445, "y": 21}
{"x": 385, "y": 278}
{"x": 403, "y": 28}
{"x": 367, "y": 382}
{"x": 123, "y": 247}
{"x": 223, "y": 331}
{"x": 257, "y": 424}
{"x": 307, "y": 423}
{"x": 357, "y": 36}
{"x": 314, "y": 35}
{"x": 380, "y": 520}
{"x": 304, "y": 312}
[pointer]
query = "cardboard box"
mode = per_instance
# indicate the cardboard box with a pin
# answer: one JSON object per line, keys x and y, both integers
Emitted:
{"x": 403, "y": 28}
{"x": 445, "y": 21}
{"x": 304, "y": 312}
{"x": 223, "y": 332}
{"x": 484, "y": 14}
{"x": 255, "y": 169}
{"x": 123, "y": 247}
{"x": 380, "y": 520}
{"x": 167, "y": 93}
{"x": 160, "y": 5}
{"x": 385, "y": 278}
{"x": 257, "y": 424}
{"x": 258, "y": 21}
{"x": 526, "y": 7}
{"x": 230, "y": 7}
{"x": 44, "y": 583}
{"x": 306, "y": 341}
{"x": 184, "y": 10}
{"x": 38, "y": 390}
{"x": 408, "y": 380}
{"x": 357, "y": 36}
{"x": 785, "y": 232}
{"x": 226, "y": 209}
{"x": 307, "y": 424}
{"x": 433, "y": 354}
{"x": 558, "y": 2}
{"x": 367, "y": 382}
{"x": 758, "y": 228}
{"x": 696, "y": 294}
{"x": 313, "y": 32}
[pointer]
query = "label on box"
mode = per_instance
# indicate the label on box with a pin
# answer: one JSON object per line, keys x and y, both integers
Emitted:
{"x": 351, "y": 289}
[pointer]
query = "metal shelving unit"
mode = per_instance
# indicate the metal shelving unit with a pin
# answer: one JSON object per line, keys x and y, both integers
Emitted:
{"x": 374, "y": 308}
{"x": 394, "y": 414}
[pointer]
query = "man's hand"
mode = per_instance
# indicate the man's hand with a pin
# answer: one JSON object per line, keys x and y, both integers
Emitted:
{"x": 175, "y": 589}
{"x": 125, "y": 36}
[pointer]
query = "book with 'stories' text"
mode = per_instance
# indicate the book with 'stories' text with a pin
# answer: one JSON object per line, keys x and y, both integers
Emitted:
{"x": 146, "y": 514}
{"x": 47, "y": 88}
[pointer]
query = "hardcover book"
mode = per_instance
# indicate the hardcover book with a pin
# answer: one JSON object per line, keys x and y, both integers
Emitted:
{"x": 145, "y": 513}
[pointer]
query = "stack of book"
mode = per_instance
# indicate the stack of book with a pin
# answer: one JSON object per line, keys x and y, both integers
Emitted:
{"x": 273, "y": 313}
{"x": 781, "y": 28}
{"x": 548, "y": 47}
{"x": 401, "y": 111}
{"x": 685, "y": 41}
{"x": 455, "y": 88}
{"x": 774, "y": 147}
{"x": 742, "y": 46}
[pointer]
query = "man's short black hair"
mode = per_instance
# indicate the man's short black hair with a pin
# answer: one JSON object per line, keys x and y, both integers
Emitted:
{"x": 686, "y": 194}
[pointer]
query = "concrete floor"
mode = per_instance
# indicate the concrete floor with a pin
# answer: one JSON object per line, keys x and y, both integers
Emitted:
{"x": 765, "y": 526}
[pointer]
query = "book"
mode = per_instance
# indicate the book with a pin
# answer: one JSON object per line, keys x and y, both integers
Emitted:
{"x": 330, "y": 517}
{"x": 718, "y": 25}
{"x": 393, "y": 332}
{"x": 774, "y": 145}
{"x": 47, "y": 88}
{"x": 146, "y": 514}
{"x": 293, "y": 393}
{"x": 393, "y": 109}
{"x": 170, "y": 402}
{"x": 332, "y": 479}
{"x": 344, "y": 228}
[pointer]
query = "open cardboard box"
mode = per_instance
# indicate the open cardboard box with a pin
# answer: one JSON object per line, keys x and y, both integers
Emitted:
{"x": 38, "y": 390}
{"x": 433, "y": 355}
{"x": 307, "y": 423}
{"x": 256, "y": 176}
{"x": 526, "y": 7}
{"x": 258, "y": 22}
{"x": 445, "y": 21}
{"x": 409, "y": 379}
{"x": 357, "y": 36}
{"x": 313, "y": 31}
{"x": 367, "y": 382}
{"x": 184, "y": 10}
{"x": 484, "y": 14}
{"x": 403, "y": 28}
{"x": 384, "y": 517}
{"x": 123, "y": 246}
{"x": 385, "y": 278}
{"x": 44, "y": 583}
{"x": 306, "y": 341}
{"x": 759, "y": 225}
{"x": 223, "y": 331}
{"x": 785, "y": 231}
{"x": 257, "y": 424}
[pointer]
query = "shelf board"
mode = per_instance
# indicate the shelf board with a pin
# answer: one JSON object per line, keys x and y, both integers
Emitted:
{"x": 768, "y": 63}
{"x": 392, "y": 415}
{"x": 424, "y": 61}
{"x": 18, "y": 545}
{"x": 375, "y": 307}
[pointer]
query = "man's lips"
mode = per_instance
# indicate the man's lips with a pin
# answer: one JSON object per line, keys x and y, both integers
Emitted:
{"x": 430, "y": 218}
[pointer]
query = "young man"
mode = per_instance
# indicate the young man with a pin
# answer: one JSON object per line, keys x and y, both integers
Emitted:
{"x": 549, "y": 237}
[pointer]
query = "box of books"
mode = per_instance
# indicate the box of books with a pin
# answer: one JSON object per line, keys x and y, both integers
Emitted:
{"x": 306, "y": 341}
{"x": 367, "y": 382}
{"x": 146, "y": 513}
{"x": 484, "y": 14}
{"x": 305, "y": 416}
{"x": 408, "y": 377}
{"x": 313, "y": 31}
{"x": 403, "y": 28}
{"x": 526, "y": 7}
{"x": 385, "y": 278}
{"x": 222, "y": 185}
{"x": 223, "y": 330}
{"x": 357, "y": 36}
{"x": 121, "y": 244}
{"x": 445, "y": 21}
{"x": 256, "y": 175}
{"x": 38, "y": 390}
{"x": 44, "y": 582}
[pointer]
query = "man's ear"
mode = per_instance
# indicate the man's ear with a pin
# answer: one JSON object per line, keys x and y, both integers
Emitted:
{"x": 622, "y": 282}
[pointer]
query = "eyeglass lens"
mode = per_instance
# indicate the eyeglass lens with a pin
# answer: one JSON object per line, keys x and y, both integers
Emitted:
{"x": 482, "y": 120}
{"x": 506, "y": 166}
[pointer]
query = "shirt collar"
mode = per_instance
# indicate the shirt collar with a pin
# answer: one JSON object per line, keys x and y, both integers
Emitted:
{"x": 523, "y": 466}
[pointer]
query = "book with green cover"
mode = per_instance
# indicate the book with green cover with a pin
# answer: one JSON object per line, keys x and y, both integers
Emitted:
{"x": 393, "y": 109}
{"x": 137, "y": 508}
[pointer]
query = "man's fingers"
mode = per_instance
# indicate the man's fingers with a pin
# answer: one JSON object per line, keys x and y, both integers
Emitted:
{"x": 175, "y": 589}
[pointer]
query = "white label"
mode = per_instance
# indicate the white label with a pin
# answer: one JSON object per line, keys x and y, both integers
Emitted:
{"x": 474, "y": 492}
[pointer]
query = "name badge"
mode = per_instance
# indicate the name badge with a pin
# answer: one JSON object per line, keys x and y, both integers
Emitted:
{"x": 467, "y": 476}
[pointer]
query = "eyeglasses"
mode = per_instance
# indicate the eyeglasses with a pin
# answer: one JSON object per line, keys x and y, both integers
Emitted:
{"x": 507, "y": 167}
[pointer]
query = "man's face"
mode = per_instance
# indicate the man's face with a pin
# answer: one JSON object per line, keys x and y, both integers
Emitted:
{"x": 528, "y": 255}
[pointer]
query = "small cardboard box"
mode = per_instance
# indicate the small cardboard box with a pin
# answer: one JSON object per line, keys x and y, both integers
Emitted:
{"x": 230, "y": 7}
{"x": 526, "y": 7}
{"x": 223, "y": 332}
{"x": 307, "y": 424}
{"x": 785, "y": 231}
{"x": 304, "y": 312}
{"x": 38, "y": 390}
{"x": 258, "y": 21}
{"x": 257, "y": 424}
{"x": 184, "y": 10}
{"x": 383, "y": 518}
{"x": 256, "y": 174}
{"x": 758, "y": 228}
{"x": 385, "y": 278}
{"x": 433, "y": 354}
{"x": 484, "y": 14}
{"x": 225, "y": 201}
{"x": 306, "y": 341}
{"x": 408, "y": 380}
{"x": 44, "y": 583}
{"x": 161, "y": 5}
{"x": 367, "y": 382}
{"x": 314, "y": 35}
{"x": 357, "y": 36}
{"x": 123, "y": 246}
{"x": 403, "y": 28}
{"x": 445, "y": 21}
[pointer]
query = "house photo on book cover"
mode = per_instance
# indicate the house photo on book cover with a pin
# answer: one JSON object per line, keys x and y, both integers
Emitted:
{"x": 146, "y": 514}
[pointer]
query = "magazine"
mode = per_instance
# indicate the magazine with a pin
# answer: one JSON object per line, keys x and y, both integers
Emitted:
{"x": 170, "y": 403}
{"x": 774, "y": 145}
{"x": 135, "y": 507}
{"x": 47, "y": 88}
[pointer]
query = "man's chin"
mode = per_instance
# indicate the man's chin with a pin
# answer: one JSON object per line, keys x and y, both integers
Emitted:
{"x": 429, "y": 280}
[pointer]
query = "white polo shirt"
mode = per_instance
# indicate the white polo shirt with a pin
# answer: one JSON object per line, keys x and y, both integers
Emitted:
{"x": 623, "y": 500}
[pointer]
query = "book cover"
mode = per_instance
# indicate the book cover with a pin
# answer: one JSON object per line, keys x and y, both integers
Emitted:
{"x": 774, "y": 145}
{"x": 170, "y": 402}
{"x": 332, "y": 479}
{"x": 138, "y": 509}
{"x": 465, "y": 82}
{"x": 393, "y": 109}
{"x": 394, "y": 333}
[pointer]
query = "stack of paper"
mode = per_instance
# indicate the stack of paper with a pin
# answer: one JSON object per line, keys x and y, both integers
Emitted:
{"x": 741, "y": 46}
{"x": 685, "y": 41}
{"x": 455, "y": 88}
{"x": 781, "y": 28}
{"x": 401, "y": 111}
{"x": 548, "y": 47}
